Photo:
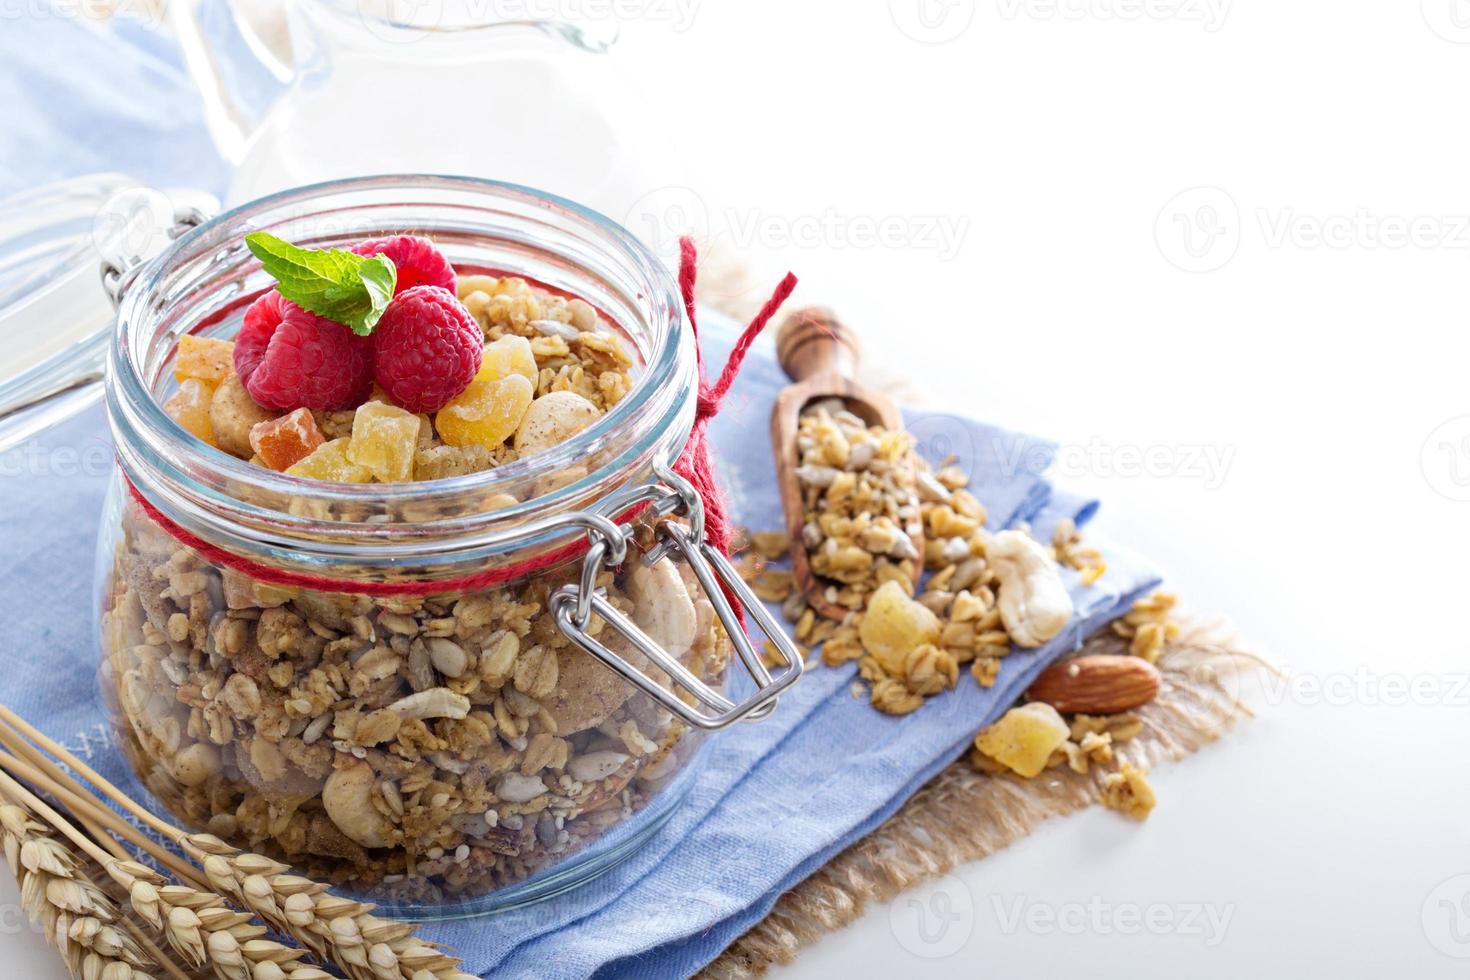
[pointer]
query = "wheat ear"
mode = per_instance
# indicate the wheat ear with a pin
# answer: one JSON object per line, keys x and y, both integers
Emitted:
{"x": 77, "y": 917}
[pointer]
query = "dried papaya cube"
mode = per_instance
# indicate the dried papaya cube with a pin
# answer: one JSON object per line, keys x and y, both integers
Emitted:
{"x": 384, "y": 439}
{"x": 894, "y": 625}
{"x": 1024, "y": 738}
{"x": 485, "y": 413}
{"x": 189, "y": 406}
{"x": 330, "y": 462}
{"x": 205, "y": 358}
{"x": 282, "y": 443}
{"x": 508, "y": 355}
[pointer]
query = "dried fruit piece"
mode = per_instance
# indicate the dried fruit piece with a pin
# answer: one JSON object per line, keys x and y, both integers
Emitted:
{"x": 894, "y": 625}
{"x": 508, "y": 355}
{"x": 1024, "y": 738}
{"x": 282, "y": 443}
{"x": 189, "y": 406}
{"x": 485, "y": 413}
{"x": 330, "y": 462}
{"x": 204, "y": 359}
{"x": 553, "y": 418}
{"x": 426, "y": 348}
{"x": 384, "y": 438}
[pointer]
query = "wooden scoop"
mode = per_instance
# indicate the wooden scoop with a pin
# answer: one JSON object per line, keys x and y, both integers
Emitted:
{"x": 820, "y": 354}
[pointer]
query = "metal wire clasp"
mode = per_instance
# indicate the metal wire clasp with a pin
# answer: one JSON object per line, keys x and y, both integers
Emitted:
{"x": 685, "y": 695}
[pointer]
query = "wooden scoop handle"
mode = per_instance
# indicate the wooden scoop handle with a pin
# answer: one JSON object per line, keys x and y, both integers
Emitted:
{"x": 813, "y": 341}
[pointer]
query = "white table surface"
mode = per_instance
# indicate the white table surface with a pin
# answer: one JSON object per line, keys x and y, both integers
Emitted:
{"x": 1315, "y": 356}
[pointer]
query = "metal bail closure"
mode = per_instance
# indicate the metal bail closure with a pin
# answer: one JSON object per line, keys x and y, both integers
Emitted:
{"x": 686, "y": 695}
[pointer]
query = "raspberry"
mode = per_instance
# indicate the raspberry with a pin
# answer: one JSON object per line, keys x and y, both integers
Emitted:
{"x": 419, "y": 263}
{"x": 290, "y": 358}
{"x": 426, "y": 348}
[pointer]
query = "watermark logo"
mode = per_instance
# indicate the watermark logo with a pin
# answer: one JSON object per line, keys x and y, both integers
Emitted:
{"x": 1445, "y": 459}
{"x": 1450, "y": 19}
{"x": 133, "y": 224}
{"x": 1283, "y": 227}
{"x": 149, "y": 13}
{"x": 664, "y": 215}
{"x": 661, "y": 216}
{"x": 1209, "y": 14}
{"x": 1445, "y": 917}
{"x": 1204, "y": 463}
{"x": 1206, "y": 921}
{"x": 1199, "y": 229}
{"x": 935, "y": 922}
{"x": 1364, "y": 686}
{"x": 932, "y": 21}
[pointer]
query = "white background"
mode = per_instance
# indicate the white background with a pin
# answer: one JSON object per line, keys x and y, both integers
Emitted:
{"x": 1313, "y": 355}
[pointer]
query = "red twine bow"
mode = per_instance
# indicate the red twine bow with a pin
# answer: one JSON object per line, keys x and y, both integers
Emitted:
{"x": 694, "y": 465}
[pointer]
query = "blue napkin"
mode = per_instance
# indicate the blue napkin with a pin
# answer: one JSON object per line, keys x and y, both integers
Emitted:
{"x": 773, "y": 801}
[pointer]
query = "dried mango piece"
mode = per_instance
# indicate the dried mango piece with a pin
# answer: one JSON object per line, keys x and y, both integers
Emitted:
{"x": 895, "y": 625}
{"x": 1024, "y": 738}
{"x": 205, "y": 359}
{"x": 282, "y": 443}
{"x": 330, "y": 462}
{"x": 508, "y": 355}
{"x": 384, "y": 439}
{"x": 189, "y": 406}
{"x": 485, "y": 413}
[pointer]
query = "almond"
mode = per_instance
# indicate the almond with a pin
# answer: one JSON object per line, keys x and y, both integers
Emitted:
{"x": 1097, "y": 685}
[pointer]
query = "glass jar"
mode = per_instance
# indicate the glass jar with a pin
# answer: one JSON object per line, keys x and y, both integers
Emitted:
{"x": 451, "y": 696}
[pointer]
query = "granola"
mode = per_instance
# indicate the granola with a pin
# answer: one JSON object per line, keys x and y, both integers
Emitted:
{"x": 417, "y": 750}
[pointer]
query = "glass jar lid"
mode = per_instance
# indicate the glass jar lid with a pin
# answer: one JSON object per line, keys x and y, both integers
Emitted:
{"x": 56, "y": 313}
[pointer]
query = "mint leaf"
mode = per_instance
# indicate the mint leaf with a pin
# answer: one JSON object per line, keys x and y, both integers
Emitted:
{"x": 351, "y": 289}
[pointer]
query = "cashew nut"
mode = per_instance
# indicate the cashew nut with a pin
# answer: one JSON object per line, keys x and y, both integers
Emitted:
{"x": 553, "y": 418}
{"x": 1034, "y": 604}
{"x": 516, "y": 788}
{"x": 595, "y": 766}
{"x": 662, "y": 607}
{"x": 347, "y": 798}
{"x": 436, "y": 702}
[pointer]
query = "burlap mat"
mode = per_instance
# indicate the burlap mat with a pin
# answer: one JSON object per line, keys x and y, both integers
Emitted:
{"x": 961, "y": 815}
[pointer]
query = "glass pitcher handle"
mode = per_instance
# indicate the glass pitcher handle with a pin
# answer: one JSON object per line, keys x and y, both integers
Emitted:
{"x": 573, "y": 607}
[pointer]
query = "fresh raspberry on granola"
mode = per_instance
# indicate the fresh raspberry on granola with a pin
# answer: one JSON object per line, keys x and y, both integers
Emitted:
{"x": 290, "y": 358}
{"x": 418, "y": 262}
{"x": 426, "y": 348}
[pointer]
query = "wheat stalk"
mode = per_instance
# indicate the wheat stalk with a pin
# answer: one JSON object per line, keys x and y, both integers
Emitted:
{"x": 334, "y": 928}
{"x": 77, "y": 917}
{"x": 197, "y": 925}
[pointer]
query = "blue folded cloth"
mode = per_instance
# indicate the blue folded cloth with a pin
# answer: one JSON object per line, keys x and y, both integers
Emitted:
{"x": 773, "y": 801}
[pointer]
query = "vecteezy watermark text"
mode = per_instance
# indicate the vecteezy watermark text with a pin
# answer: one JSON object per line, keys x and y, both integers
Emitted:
{"x": 1210, "y": 14}
{"x": 1203, "y": 463}
{"x": 1206, "y": 921}
{"x": 1201, "y": 230}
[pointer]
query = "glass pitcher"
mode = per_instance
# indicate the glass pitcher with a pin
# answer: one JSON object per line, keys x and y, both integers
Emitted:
{"x": 426, "y": 86}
